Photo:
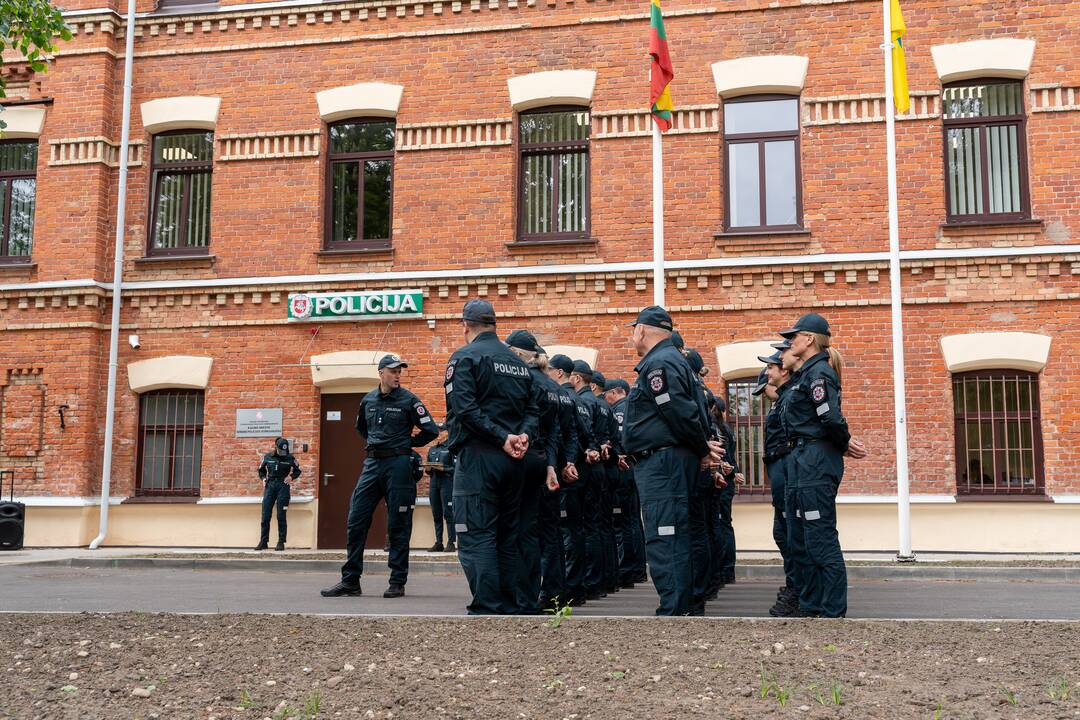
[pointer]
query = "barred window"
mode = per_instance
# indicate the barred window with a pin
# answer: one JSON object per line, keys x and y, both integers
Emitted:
{"x": 182, "y": 169}
{"x": 170, "y": 442}
{"x": 746, "y": 416}
{"x": 18, "y": 190}
{"x": 360, "y": 184}
{"x": 998, "y": 433}
{"x": 554, "y": 147}
{"x": 985, "y": 153}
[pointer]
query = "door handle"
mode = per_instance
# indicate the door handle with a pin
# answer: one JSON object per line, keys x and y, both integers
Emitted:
{"x": 326, "y": 478}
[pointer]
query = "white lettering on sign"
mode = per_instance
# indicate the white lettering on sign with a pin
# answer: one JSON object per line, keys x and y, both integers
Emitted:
{"x": 356, "y": 305}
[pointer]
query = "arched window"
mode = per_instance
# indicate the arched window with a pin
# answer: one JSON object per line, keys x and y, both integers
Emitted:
{"x": 18, "y": 190}
{"x": 169, "y": 453}
{"x": 181, "y": 171}
{"x": 360, "y": 182}
{"x": 553, "y": 146}
{"x": 763, "y": 185}
{"x": 999, "y": 448}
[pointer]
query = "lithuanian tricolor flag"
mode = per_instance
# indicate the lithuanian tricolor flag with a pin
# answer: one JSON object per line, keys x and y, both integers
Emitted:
{"x": 899, "y": 63}
{"x": 661, "y": 72}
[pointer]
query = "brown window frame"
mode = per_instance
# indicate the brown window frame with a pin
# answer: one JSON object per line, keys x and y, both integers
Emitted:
{"x": 998, "y": 423}
{"x": 172, "y": 430}
{"x": 5, "y": 229}
{"x": 982, "y": 124}
{"x": 359, "y": 158}
{"x": 760, "y": 139}
{"x": 750, "y": 456}
{"x": 556, "y": 149}
{"x": 187, "y": 169}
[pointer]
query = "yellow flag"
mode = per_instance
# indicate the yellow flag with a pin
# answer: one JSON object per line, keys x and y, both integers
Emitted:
{"x": 899, "y": 64}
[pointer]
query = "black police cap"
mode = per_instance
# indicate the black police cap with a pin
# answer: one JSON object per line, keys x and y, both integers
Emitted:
{"x": 523, "y": 340}
{"x": 392, "y": 361}
{"x": 583, "y": 368}
{"x": 774, "y": 359}
{"x": 561, "y": 362}
{"x": 654, "y": 316}
{"x": 480, "y": 311}
{"x": 810, "y": 322}
{"x": 782, "y": 345}
{"x": 762, "y": 381}
{"x": 598, "y": 378}
{"x": 617, "y": 384}
{"x": 677, "y": 341}
{"x": 696, "y": 361}
{"x": 282, "y": 444}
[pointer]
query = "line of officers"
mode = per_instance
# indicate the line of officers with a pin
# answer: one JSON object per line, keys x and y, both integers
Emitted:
{"x": 567, "y": 485}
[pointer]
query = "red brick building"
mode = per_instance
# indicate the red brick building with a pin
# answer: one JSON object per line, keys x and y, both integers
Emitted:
{"x": 499, "y": 148}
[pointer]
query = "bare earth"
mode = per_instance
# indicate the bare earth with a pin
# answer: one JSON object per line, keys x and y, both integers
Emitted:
{"x": 279, "y": 666}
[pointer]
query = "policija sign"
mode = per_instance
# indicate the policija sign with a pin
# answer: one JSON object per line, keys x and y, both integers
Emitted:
{"x": 373, "y": 305}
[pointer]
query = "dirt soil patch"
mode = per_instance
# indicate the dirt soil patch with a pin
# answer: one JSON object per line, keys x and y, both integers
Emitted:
{"x": 252, "y": 666}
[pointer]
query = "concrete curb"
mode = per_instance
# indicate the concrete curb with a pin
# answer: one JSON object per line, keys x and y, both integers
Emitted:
{"x": 916, "y": 572}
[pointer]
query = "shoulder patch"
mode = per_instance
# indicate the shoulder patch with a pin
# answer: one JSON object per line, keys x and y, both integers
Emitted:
{"x": 420, "y": 409}
{"x": 657, "y": 381}
{"x": 450, "y": 370}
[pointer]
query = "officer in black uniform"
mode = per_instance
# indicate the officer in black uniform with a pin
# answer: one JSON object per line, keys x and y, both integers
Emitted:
{"x": 814, "y": 423}
{"x": 388, "y": 414}
{"x": 276, "y": 469}
{"x": 627, "y": 511}
{"x": 541, "y": 474}
{"x": 725, "y": 497}
{"x": 440, "y": 462}
{"x": 665, "y": 439}
{"x": 704, "y": 537}
{"x": 492, "y": 417}
{"x": 579, "y": 453}
{"x": 610, "y": 466}
{"x": 592, "y": 482}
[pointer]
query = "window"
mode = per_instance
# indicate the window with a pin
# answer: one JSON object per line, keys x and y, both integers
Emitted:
{"x": 554, "y": 145}
{"x": 182, "y": 168}
{"x": 18, "y": 187}
{"x": 998, "y": 433}
{"x": 985, "y": 155}
{"x": 360, "y": 185}
{"x": 746, "y": 416}
{"x": 763, "y": 180}
{"x": 170, "y": 442}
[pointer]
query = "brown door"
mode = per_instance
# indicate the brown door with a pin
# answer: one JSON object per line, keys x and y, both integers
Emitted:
{"x": 341, "y": 458}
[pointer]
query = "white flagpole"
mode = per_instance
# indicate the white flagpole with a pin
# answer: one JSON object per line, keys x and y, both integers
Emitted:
{"x": 903, "y": 484}
{"x": 657, "y": 214}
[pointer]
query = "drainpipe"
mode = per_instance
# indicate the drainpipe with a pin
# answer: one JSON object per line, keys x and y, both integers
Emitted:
{"x": 118, "y": 271}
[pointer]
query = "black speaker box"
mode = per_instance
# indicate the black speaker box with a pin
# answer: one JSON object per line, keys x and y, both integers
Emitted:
{"x": 12, "y": 525}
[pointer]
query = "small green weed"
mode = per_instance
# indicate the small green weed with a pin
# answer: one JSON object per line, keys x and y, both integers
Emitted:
{"x": 831, "y": 647}
{"x": 1061, "y": 689}
{"x": 312, "y": 704}
{"x": 836, "y": 692}
{"x": 1009, "y": 695}
{"x": 245, "y": 700}
{"x": 938, "y": 712}
{"x": 783, "y": 695}
{"x": 558, "y": 613}
{"x": 816, "y": 693}
{"x": 284, "y": 712}
{"x": 765, "y": 682}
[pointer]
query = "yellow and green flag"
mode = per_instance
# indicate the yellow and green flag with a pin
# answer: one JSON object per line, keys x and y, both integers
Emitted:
{"x": 899, "y": 64}
{"x": 661, "y": 72}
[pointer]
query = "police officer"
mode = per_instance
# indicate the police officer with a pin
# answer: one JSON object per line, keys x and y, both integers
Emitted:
{"x": 541, "y": 475}
{"x": 705, "y": 538}
{"x": 579, "y": 452}
{"x": 276, "y": 469}
{"x": 815, "y": 426}
{"x": 627, "y": 511}
{"x": 665, "y": 439}
{"x": 440, "y": 464}
{"x": 388, "y": 414}
{"x": 610, "y": 467}
{"x": 592, "y": 481}
{"x": 492, "y": 418}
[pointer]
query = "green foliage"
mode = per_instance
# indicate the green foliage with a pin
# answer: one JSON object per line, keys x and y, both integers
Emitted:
{"x": 245, "y": 700}
{"x": 1009, "y": 695}
{"x": 29, "y": 27}
{"x": 558, "y": 613}
{"x": 311, "y": 705}
{"x": 938, "y": 712}
{"x": 836, "y": 692}
{"x": 1061, "y": 689}
{"x": 831, "y": 647}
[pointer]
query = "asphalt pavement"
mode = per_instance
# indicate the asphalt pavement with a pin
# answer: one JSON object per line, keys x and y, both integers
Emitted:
{"x": 55, "y": 588}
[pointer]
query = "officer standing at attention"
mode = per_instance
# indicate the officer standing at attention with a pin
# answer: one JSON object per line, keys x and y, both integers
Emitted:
{"x": 440, "y": 462}
{"x": 627, "y": 511}
{"x": 665, "y": 441}
{"x": 592, "y": 500}
{"x": 492, "y": 417}
{"x": 814, "y": 423}
{"x": 609, "y": 467}
{"x": 386, "y": 420}
{"x": 276, "y": 469}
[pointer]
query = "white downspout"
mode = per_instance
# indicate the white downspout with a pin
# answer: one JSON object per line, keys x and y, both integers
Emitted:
{"x": 118, "y": 271}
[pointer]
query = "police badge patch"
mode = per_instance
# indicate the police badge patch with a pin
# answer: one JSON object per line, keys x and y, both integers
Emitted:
{"x": 817, "y": 390}
{"x": 657, "y": 384}
{"x": 449, "y": 372}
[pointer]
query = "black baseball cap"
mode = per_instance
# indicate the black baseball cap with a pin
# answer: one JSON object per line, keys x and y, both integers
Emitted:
{"x": 282, "y": 444}
{"x": 582, "y": 368}
{"x": 618, "y": 384}
{"x": 523, "y": 340}
{"x": 598, "y": 378}
{"x": 480, "y": 311}
{"x": 696, "y": 361}
{"x": 655, "y": 316}
{"x": 782, "y": 345}
{"x": 392, "y": 361}
{"x": 561, "y": 362}
{"x": 810, "y": 322}
{"x": 677, "y": 341}
{"x": 774, "y": 359}
{"x": 762, "y": 381}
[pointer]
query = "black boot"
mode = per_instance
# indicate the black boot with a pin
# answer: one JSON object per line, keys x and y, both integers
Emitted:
{"x": 451, "y": 547}
{"x": 261, "y": 546}
{"x": 340, "y": 590}
{"x": 280, "y": 546}
{"x": 437, "y": 547}
{"x": 394, "y": 591}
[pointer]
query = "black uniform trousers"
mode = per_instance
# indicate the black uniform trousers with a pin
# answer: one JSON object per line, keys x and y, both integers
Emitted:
{"x": 726, "y": 528}
{"x": 389, "y": 478}
{"x": 664, "y": 480}
{"x": 592, "y": 519}
{"x": 611, "y": 548}
{"x": 628, "y": 531}
{"x": 441, "y": 495}
{"x": 573, "y": 536}
{"x": 552, "y": 559}
{"x": 532, "y": 491}
{"x": 701, "y": 540}
{"x": 276, "y": 493}
{"x": 777, "y": 471}
{"x": 487, "y": 498}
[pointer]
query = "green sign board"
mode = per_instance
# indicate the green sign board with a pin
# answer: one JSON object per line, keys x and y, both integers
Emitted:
{"x": 370, "y": 305}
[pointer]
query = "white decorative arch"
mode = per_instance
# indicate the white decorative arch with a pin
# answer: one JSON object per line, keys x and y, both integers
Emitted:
{"x": 180, "y": 113}
{"x": 740, "y": 360}
{"x": 347, "y": 371}
{"x": 22, "y": 123}
{"x": 172, "y": 371}
{"x": 574, "y": 352}
{"x": 760, "y": 74}
{"x": 374, "y": 99}
{"x": 995, "y": 350}
{"x": 557, "y": 87}
{"x": 1001, "y": 57}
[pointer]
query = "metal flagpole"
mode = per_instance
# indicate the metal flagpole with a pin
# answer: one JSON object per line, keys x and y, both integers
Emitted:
{"x": 657, "y": 214}
{"x": 903, "y": 490}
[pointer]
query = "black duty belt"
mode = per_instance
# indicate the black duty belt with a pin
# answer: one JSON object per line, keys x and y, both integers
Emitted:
{"x": 379, "y": 454}
{"x": 635, "y": 458}
{"x": 773, "y": 457}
